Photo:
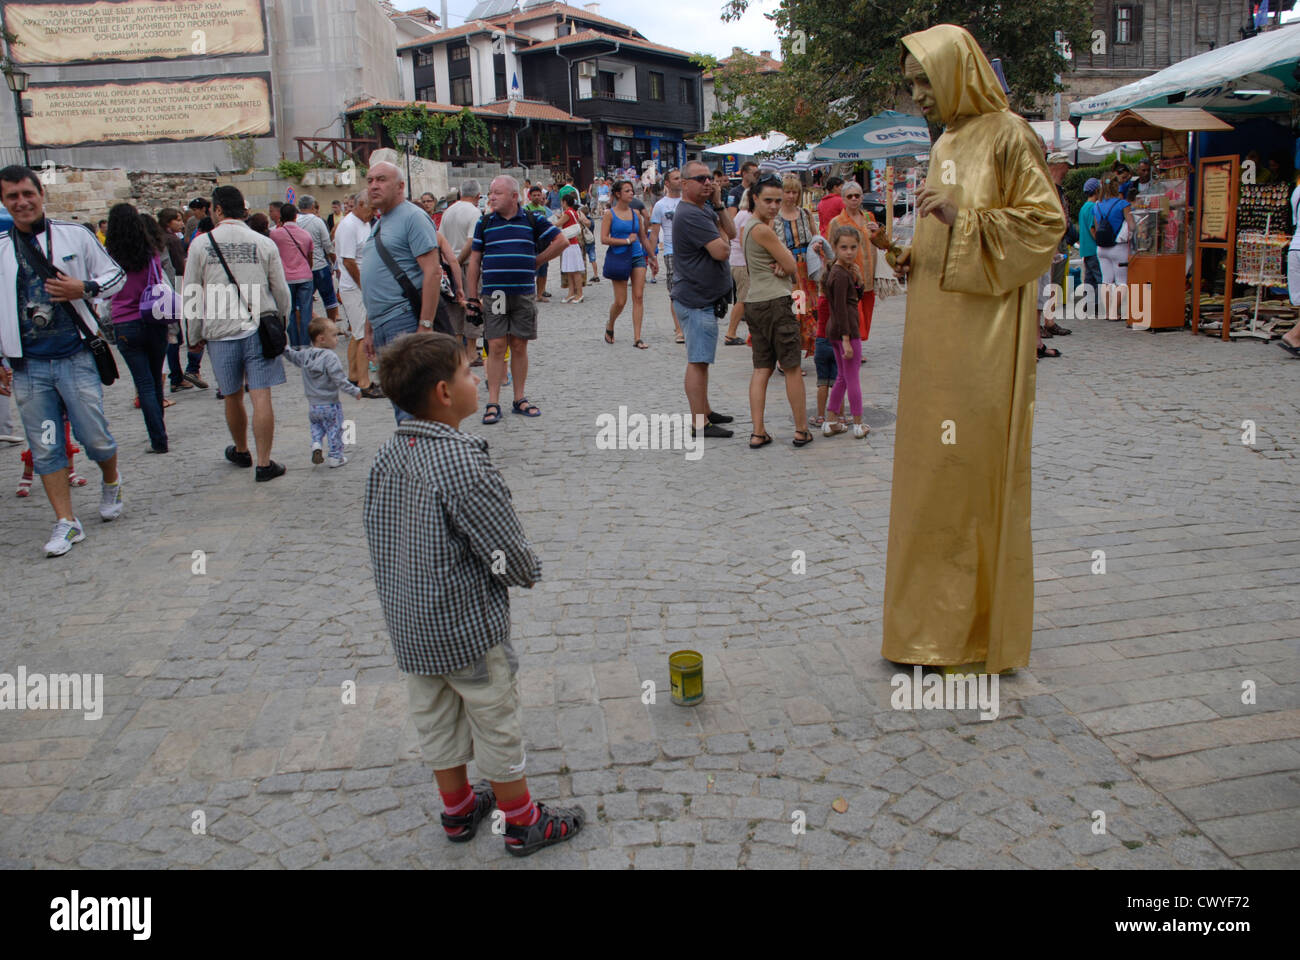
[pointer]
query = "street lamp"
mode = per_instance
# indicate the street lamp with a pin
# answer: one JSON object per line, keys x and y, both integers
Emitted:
{"x": 17, "y": 80}
{"x": 408, "y": 140}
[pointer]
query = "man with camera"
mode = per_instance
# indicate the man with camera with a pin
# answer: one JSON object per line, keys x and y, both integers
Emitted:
{"x": 702, "y": 234}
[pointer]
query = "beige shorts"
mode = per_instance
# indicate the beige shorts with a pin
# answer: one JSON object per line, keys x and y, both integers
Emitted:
{"x": 740, "y": 277}
{"x": 353, "y": 312}
{"x": 472, "y": 713}
{"x": 462, "y": 328}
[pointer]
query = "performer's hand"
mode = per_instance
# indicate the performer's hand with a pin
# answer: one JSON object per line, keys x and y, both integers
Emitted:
{"x": 930, "y": 201}
{"x": 903, "y": 263}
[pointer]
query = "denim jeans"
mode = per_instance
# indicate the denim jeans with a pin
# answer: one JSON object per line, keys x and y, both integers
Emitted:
{"x": 386, "y": 333}
{"x": 300, "y": 297}
{"x": 144, "y": 348}
{"x": 45, "y": 390}
{"x": 1092, "y": 271}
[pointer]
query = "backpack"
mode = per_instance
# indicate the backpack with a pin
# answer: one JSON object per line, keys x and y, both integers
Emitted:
{"x": 1105, "y": 229}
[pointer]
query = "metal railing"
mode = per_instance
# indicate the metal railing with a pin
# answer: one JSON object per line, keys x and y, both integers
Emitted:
{"x": 606, "y": 95}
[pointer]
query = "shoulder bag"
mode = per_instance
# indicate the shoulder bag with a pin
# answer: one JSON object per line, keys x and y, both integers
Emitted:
{"x": 97, "y": 345}
{"x": 159, "y": 301}
{"x": 414, "y": 298}
{"x": 270, "y": 326}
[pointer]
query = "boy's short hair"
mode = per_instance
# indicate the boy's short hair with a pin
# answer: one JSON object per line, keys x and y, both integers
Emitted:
{"x": 414, "y": 364}
{"x": 317, "y": 326}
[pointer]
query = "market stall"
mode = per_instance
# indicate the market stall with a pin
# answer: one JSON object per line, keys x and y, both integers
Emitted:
{"x": 1159, "y": 256}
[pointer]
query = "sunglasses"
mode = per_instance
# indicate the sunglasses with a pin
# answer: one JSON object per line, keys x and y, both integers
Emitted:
{"x": 771, "y": 180}
{"x": 702, "y": 178}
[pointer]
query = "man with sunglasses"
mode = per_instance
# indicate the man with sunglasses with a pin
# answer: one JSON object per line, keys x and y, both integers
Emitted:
{"x": 702, "y": 233}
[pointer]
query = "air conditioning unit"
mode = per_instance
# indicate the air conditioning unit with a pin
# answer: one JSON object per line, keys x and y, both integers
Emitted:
{"x": 587, "y": 68}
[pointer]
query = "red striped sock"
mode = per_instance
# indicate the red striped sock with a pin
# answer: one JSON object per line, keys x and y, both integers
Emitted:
{"x": 520, "y": 813}
{"x": 458, "y": 804}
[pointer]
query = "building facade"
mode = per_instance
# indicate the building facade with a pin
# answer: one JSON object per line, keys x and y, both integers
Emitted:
{"x": 1140, "y": 37}
{"x": 311, "y": 56}
{"x": 615, "y": 98}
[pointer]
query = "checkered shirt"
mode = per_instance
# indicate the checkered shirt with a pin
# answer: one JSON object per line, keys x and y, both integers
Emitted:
{"x": 436, "y": 511}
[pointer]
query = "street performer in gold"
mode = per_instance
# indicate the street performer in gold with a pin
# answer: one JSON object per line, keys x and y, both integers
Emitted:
{"x": 959, "y": 584}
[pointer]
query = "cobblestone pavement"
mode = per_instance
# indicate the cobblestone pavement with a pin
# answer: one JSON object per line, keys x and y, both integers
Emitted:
{"x": 223, "y": 689}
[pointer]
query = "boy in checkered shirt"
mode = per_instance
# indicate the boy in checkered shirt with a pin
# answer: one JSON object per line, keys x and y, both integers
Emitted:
{"x": 446, "y": 545}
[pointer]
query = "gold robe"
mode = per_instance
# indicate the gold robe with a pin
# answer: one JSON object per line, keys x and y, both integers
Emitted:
{"x": 959, "y": 582}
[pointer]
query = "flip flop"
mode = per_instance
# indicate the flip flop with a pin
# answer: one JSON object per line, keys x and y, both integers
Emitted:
{"x": 489, "y": 416}
{"x": 609, "y": 335}
{"x": 1294, "y": 351}
{"x": 681, "y": 340}
{"x": 641, "y": 345}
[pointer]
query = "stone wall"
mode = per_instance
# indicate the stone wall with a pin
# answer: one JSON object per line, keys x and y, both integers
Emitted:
{"x": 85, "y": 195}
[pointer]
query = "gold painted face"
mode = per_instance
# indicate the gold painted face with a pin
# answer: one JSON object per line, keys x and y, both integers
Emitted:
{"x": 922, "y": 91}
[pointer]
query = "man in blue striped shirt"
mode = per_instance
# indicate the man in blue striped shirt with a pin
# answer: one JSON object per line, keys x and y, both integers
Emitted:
{"x": 505, "y": 253}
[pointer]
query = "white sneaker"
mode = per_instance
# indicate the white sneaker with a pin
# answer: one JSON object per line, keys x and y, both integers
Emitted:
{"x": 66, "y": 533}
{"x": 110, "y": 500}
{"x": 860, "y": 430}
{"x": 335, "y": 461}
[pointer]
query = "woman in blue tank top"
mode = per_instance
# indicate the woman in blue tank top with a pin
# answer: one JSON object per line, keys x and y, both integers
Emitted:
{"x": 623, "y": 232}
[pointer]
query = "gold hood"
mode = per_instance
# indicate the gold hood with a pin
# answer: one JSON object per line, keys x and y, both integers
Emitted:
{"x": 962, "y": 77}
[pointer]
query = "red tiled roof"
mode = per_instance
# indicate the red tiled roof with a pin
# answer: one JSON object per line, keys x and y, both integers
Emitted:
{"x": 765, "y": 65}
{"x": 500, "y": 109}
{"x": 560, "y": 10}
{"x": 590, "y": 36}
{"x": 464, "y": 30}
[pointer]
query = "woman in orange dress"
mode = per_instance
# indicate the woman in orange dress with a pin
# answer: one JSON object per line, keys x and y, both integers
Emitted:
{"x": 794, "y": 225}
{"x": 862, "y": 221}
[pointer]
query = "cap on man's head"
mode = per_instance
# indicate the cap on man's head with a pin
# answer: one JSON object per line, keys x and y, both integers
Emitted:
{"x": 1091, "y": 186}
{"x": 1057, "y": 157}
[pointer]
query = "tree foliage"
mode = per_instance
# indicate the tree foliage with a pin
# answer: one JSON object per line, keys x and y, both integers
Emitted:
{"x": 841, "y": 60}
{"x": 436, "y": 129}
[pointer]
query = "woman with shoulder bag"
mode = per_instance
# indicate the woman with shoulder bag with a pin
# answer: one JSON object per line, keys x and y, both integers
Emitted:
{"x": 141, "y": 339}
{"x": 623, "y": 232}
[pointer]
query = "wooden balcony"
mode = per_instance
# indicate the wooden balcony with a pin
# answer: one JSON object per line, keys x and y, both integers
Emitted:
{"x": 333, "y": 151}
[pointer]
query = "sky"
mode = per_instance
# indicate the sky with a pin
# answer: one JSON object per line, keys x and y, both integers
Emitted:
{"x": 693, "y": 25}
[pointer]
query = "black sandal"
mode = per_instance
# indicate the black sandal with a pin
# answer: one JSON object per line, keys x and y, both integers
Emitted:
{"x": 641, "y": 345}
{"x": 1046, "y": 351}
{"x": 609, "y": 335}
{"x": 764, "y": 439}
{"x": 484, "y": 801}
{"x": 554, "y": 825}
{"x": 802, "y": 443}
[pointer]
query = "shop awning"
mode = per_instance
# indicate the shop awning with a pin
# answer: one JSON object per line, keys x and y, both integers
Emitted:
{"x": 751, "y": 146}
{"x": 1090, "y": 145}
{"x": 1251, "y": 76}
{"x": 1151, "y": 123}
{"x": 887, "y": 134}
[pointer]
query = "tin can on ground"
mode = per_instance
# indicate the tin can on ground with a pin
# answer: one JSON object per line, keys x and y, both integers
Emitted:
{"x": 686, "y": 673}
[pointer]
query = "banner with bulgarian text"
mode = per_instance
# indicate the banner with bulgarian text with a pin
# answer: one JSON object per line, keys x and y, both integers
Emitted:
{"x": 71, "y": 32}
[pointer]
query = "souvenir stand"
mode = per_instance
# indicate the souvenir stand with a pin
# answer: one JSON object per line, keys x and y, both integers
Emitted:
{"x": 1159, "y": 256}
{"x": 1263, "y": 236}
